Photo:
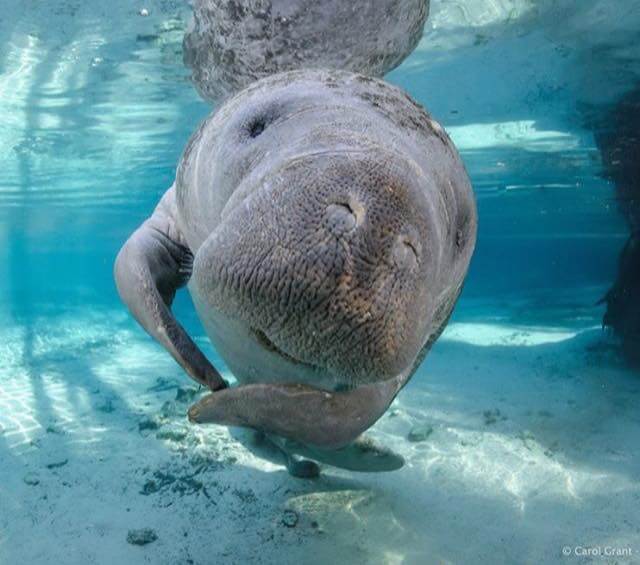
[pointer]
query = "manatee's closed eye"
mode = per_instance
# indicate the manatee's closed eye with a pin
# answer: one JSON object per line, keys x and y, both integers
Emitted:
{"x": 414, "y": 246}
{"x": 257, "y": 126}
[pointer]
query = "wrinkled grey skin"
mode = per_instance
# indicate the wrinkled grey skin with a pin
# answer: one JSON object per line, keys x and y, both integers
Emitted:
{"x": 232, "y": 43}
{"x": 325, "y": 224}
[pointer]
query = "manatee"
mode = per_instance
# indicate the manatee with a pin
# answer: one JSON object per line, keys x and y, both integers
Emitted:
{"x": 232, "y": 43}
{"x": 324, "y": 224}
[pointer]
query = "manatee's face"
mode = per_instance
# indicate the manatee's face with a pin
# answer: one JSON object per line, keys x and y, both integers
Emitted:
{"x": 332, "y": 223}
{"x": 326, "y": 264}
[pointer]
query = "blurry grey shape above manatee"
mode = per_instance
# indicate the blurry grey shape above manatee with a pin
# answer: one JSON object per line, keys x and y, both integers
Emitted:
{"x": 324, "y": 223}
{"x": 232, "y": 43}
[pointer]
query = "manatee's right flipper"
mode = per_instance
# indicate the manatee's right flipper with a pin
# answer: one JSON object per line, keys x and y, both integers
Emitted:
{"x": 299, "y": 412}
{"x": 151, "y": 266}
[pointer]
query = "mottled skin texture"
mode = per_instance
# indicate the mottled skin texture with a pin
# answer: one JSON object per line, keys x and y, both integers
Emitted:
{"x": 329, "y": 223}
{"x": 232, "y": 43}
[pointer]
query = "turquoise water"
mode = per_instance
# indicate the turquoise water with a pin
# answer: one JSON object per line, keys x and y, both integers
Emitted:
{"x": 532, "y": 410}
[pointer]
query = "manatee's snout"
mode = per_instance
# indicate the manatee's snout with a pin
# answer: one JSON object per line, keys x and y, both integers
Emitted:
{"x": 326, "y": 263}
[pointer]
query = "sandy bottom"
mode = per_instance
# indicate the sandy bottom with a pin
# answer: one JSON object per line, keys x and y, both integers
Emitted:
{"x": 521, "y": 436}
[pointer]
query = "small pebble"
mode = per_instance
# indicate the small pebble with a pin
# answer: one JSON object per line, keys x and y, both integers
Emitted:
{"x": 290, "y": 518}
{"x": 141, "y": 537}
{"x": 31, "y": 479}
{"x": 57, "y": 464}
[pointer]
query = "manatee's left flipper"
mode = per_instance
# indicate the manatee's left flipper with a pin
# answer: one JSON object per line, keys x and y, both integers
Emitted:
{"x": 363, "y": 454}
{"x": 297, "y": 466}
{"x": 151, "y": 266}
{"x": 327, "y": 420}
{"x": 300, "y": 467}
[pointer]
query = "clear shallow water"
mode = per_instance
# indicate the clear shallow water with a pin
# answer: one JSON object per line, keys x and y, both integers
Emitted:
{"x": 534, "y": 415}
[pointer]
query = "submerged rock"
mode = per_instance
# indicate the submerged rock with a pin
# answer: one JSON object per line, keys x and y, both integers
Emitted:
{"x": 57, "y": 464}
{"x": 31, "y": 479}
{"x": 290, "y": 518}
{"x": 142, "y": 536}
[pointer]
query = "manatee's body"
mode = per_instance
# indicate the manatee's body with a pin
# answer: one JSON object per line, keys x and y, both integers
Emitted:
{"x": 232, "y": 43}
{"x": 326, "y": 224}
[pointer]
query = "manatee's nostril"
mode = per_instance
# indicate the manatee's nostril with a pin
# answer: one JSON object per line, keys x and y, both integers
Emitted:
{"x": 340, "y": 218}
{"x": 405, "y": 252}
